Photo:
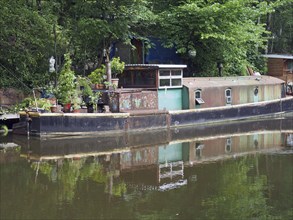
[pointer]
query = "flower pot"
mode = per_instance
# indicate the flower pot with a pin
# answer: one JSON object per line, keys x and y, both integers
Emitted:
{"x": 115, "y": 82}
{"x": 76, "y": 111}
{"x": 66, "y": 107}
{"x": 90, "y": 108}
{"x": 99, "y": 86}
{"x": 53, "y": 109}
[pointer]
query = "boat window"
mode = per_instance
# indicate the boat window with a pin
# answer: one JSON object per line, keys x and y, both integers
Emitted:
{"x": 170, "y": 78}
{"x": 198, "y": 150}
{"x": 228, "y": 95}
{"x": 228, "y": 146}
{"x": 255, "y": 91}
{"x": 198, "y": 99}
{"x": 138, "y": 79}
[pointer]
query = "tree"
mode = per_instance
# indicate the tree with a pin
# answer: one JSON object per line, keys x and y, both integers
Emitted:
{"x": 96, "y": 25}
{"x": 280, "y": 23}
{"x": 219, "y": 30}
{"x": 229, "y": 31}
{"x": 24, "y": 47}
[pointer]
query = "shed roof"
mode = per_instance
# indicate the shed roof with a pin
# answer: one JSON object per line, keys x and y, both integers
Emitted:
{"x": 201, "y": 82}
{"x": 155, "y": 66}
{"x": 279, "y": 56}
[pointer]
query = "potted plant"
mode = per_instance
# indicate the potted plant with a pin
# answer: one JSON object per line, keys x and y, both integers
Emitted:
{"x": 97, "y": 77}
{"x": 44, "y": 104}
{"x": 53, "y": 108}
{"x": 87, "y": 93}
{"x": 76, "y": 101}
{"x": 86, "y": 90}
{"x": 66, "y": 84}
{"x": 37, "y": 104}
{"x": 117, "y": 68}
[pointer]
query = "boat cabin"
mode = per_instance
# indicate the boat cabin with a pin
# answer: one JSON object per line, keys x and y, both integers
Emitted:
{"x": 150, "y": 87}
{"x": 156, "y": 76}
{"x": 206, "y": 92}
{"x": 162, "y": 87}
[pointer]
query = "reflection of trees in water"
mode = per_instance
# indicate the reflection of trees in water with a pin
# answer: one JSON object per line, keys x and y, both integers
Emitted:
{"x": 68, "y": 175}
{"x": 239, "y": 196}
{"x": 67, "y": 172}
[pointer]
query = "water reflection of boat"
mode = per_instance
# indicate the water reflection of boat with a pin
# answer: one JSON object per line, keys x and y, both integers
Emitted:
{"x": 91, "y": 145}
{"x": 163, "y": 154}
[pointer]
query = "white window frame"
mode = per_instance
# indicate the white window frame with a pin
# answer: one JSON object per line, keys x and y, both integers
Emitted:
{"x": 170, "y": 77}
{"x": 198, "y": 101}
{"x": 198, "y": 150}
{"x": 228, "y": 98}
{"x": 228, "y": 146}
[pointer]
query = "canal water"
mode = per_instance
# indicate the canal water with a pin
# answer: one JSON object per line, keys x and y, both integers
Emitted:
{"x": 240, "y": 170}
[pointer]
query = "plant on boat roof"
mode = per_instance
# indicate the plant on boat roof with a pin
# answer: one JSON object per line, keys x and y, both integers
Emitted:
{"x": 76, "y": 100}
{"x": 95, "y": 97}
{"x": 43, "y": 103}
{"x": 97, "y": 76}
{"x": 33, "y": 103}
{"x": 66, "y": 82}
{"x": 117, "y": 67}
{"x": 84, "y": 84}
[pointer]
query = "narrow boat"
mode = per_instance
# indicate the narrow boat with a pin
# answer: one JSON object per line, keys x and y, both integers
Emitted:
{"x": 157, "y": 96}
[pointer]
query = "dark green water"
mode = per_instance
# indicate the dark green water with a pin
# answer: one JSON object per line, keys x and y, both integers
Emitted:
{"x": 238, "y": 171}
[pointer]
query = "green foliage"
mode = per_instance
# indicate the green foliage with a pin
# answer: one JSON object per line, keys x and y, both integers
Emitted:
{"x": 66, "y": 87}
{"x": 96, "y": 26}
{"x": 280, "y": 23}
{"x": 225, "y": 31}
{"x": 97, "y": 76}
{"x": 85, "y": 87}
{"x": 30, "y": 103}
{"x": 76, "y": 100}
{"x": 239, "y": 193}
{"x": 117, "y": 67}
{"x": 44, "y": 104}
{"x": 26, "y": 44}
{"x": 119, "y": 189}
{"x": 68, "y": 177}
{"x": 95, "y": 97}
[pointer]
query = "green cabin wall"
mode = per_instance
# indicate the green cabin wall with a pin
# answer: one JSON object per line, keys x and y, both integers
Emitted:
{"x": 170, "y": 99}
{"x": 185, "y": 98}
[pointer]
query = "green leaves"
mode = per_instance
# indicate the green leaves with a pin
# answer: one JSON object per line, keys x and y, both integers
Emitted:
{"x": 219, "y": 30}
{"x": 66, "y": 87}
{"x": 222, "y": 30}
{"x": 24, "y": 47}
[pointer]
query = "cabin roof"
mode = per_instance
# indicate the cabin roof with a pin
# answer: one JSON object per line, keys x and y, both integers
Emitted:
{"x": 200, "y": 82}
{"x": 155, "y": 66}
{"x": 279, "y": 56}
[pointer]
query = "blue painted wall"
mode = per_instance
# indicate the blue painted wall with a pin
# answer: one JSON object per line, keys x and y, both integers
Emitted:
{"x": 159, "y": 54}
